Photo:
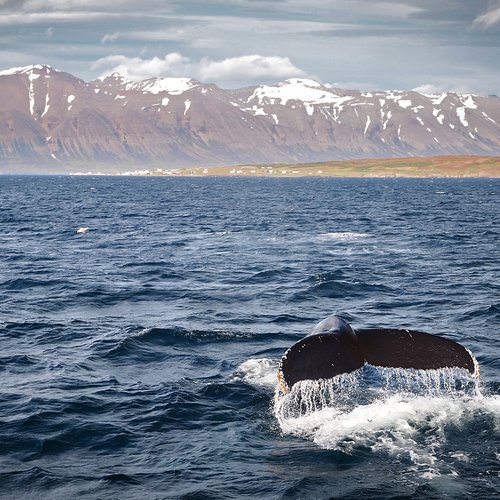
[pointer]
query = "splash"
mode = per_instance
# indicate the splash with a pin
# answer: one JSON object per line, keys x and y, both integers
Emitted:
{"x": 403, "y": 413}
{"x": 258, "y": 371}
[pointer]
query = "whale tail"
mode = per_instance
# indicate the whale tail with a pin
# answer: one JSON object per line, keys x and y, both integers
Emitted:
{"x": 333, "y": 347}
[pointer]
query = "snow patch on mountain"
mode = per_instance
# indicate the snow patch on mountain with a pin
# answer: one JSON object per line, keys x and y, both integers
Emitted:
{"x": 437, "y": 100}
{"x": 368, "y": 121}
{"x": 405, "y": 103}
{"x": 461, "y": 116}
{"x": 47, "y": 105}
{"x": 468, "y": 102}
{"x": 488, "y": 118}
{"x": 31, "y": 96}
{"x": 32, "y": 69}
{"x": 308, "y": 92}
{"x": 173, "y": 86}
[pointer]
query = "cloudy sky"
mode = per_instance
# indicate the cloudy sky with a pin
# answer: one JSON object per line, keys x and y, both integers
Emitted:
{"x": 365, "y": 44}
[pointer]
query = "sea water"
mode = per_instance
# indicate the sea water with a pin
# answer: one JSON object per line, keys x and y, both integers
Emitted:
{"x": 139, "y": 356}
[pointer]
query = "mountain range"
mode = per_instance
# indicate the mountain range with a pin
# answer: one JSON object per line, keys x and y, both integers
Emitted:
{"x": 53, "y": 121}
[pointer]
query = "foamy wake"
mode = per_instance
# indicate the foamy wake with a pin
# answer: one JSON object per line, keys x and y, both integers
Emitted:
{"x": 404, "y": 415}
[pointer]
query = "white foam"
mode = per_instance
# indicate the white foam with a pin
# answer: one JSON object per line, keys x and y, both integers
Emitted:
{"x": 406, "y": 414}
{"x": 258, "y": 371}
{"x": 346, "y": 235}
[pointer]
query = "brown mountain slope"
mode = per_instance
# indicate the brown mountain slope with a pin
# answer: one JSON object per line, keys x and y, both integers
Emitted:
{"x": 53, "y": 121}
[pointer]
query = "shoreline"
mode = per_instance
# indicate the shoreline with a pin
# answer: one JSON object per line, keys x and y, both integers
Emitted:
{"x": 411, "y": 167}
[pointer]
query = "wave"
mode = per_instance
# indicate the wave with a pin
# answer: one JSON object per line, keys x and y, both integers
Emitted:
{"x": 19, "y": 284}
{"x": 20, "y": 328}
{"x": 265, "y": 276}
{"x": 16, "y": 361}
{"x": 150, "y": 343}
{"x": 490, "y": 312}
{"x": 337, "y": 284}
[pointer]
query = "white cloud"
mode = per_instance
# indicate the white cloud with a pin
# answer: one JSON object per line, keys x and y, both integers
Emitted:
{"x": 253, "y": 67}
{"x": 445, "y": 86}
{"x": 49, "y": 32}
{"x": 82, "y": 5}
{"x": 489, "y": 19}
{"x": 110, "y": 37}
{"x": 244, "y": 68}
{"x": 135, "y": 68}
{"x": 54, "y": 17}
{"x": 428, "y": 89}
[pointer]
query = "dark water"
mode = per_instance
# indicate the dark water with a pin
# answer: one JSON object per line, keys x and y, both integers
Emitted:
{"x": 138, "y": 360}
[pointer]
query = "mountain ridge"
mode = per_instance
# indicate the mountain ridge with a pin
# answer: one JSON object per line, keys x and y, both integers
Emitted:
{"x": 55, "y": 121}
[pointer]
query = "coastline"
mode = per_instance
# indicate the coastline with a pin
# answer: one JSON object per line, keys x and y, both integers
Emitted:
{"x": 470, "y": 166}
{"x": 417, "y": 167}
{"x": 411, "y": 167}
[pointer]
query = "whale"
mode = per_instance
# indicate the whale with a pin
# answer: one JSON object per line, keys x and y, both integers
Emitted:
{"x": 333, "y": 347}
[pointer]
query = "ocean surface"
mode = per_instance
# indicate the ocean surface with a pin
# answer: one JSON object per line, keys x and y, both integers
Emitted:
{"x": 139, "y": 359}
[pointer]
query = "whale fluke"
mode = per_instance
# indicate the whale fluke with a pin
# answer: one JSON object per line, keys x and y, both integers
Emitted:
{"x": 334, "y": 347}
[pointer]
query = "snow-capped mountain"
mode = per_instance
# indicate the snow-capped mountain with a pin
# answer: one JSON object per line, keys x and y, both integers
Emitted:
{"x": 53, "y": 119}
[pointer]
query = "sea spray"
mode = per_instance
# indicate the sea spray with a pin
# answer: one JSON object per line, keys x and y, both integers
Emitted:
{"x": 369, "y": 382}
{"x": 443, "y": 381}
{"x": 403, "y": 413}
{"x": 258, "y": 371}
{"x": 310, "y": 396}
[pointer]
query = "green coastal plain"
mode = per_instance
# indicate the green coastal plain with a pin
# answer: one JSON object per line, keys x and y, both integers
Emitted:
{"x": 438, "y": 166}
